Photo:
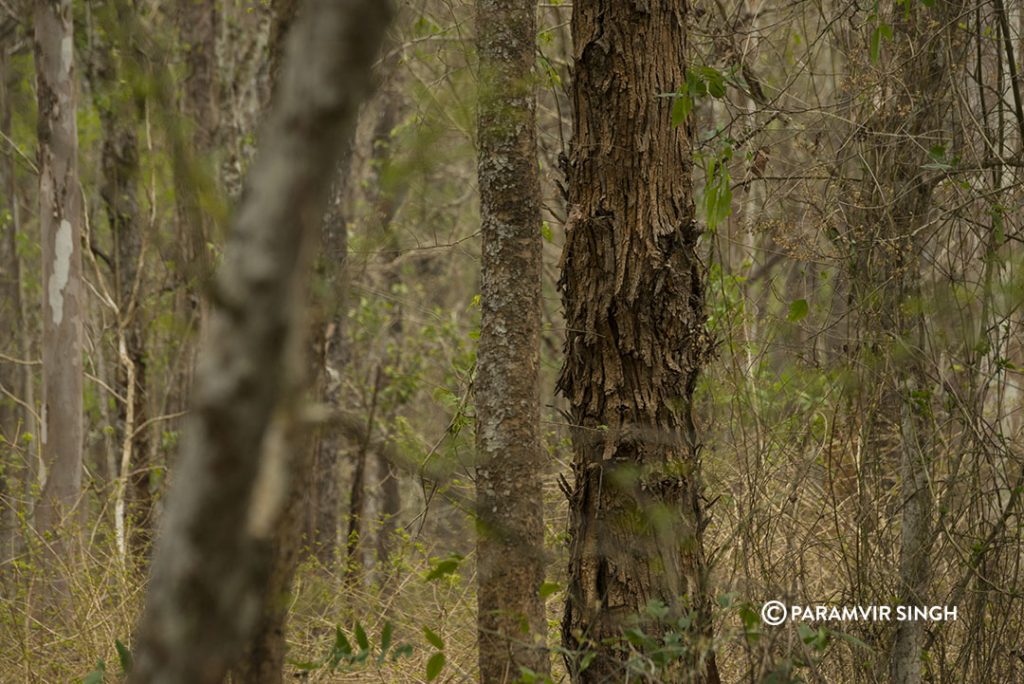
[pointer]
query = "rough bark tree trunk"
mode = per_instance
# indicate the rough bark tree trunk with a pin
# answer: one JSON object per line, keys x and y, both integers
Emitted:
{"x": 60, "y": 212}
{"x": 633, "y": 292}
{"x": 511, "y": 626}
{"x": 215, "y": 556}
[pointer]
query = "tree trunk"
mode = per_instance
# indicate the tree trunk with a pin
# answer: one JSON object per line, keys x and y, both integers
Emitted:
{"x": 198, "y": 23}
{"x": 927, "y": 51}
{"x": 214, "y": 560}
{"x": 120, "y": 165}
{"x": 325, "y": 503}
{"x": 385, "y": 199}
{"x": 12, "y": 470}
{"x": 60, "y": 212}
{"x": 634, "y": 305}
{"x": 511, "y": 626}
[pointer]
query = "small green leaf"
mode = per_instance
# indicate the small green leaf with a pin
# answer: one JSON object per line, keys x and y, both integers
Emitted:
{"x": 549, "y": 588}
{"x": 545, "y": 231}
{"x": 434, "y": 640}
{"x": 682, "y": 105}
{"x": 881, "y": 31}
{"x": 434, "y": 666}
{"x": 656, "y": 609}
{"x": 385, "y": 639}
{"x": 124, "y": 655}
{"x": 445, "y": 567}
{"x": 96, "y": 676}
{"x": 361, "y": 639}
{"x": 342, "y": 647}
{"x": 797, "y": 310}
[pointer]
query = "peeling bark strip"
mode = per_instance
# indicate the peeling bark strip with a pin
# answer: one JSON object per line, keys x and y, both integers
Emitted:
{"x": 511, "y": 624}
{"x": 60, "y": 225}
{"x": 634, "y": 306}
{"x": 212, "y": 562}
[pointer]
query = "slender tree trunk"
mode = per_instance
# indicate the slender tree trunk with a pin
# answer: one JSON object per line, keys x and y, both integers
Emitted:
{"x": 60, "y": 214}
{"x": 891, "y": 211}
{"x": 213, "y": 562}
{"x": 511, "y": 626}
{"x": 325, "y": 501}
{"x": 198, "y": 22}
{"x": 385, "y": 199}
{"x": 11, "y": 465}
{"x": 632, "y": 287}
{"x": 120, "y": 165}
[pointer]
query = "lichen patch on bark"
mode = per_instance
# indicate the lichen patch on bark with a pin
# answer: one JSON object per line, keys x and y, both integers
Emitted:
{"x": 63, "y": 247}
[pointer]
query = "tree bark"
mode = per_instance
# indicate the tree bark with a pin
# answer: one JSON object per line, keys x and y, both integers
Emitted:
{"x": 12, "y": 470}
{"x": 323, "y": 514}
{"x": 215, "y": 556}
{"x": 927, "y": 51}
{"x": 120, "y": 166}
{"x": 632, "y": 287}
{"x": 511, "y": 626}
{"x": 60, "y": 212}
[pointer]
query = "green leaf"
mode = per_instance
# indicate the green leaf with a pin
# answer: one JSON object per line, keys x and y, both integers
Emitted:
{"x": 434, "y": 640}
{"x": 342, "y": 647}
{"x": 715, "y": 82}
{"x": 682, "y": 105}
{"x": 385, "y": 639}
{"x": 434, "y": 666}
{"x": 364, "y": 643}
{"x": 124, "y": 655}
{"x": 96, "y": 676}
{"x": 797, "y": 310}
{"x": 881, "y": 31}
{"x": 656, "y": 609}
{"x": 545, "y": 231}
{"x": 445, "y": 567}
{"x": 635, "y": 636}
{"x": 549, "y": 588}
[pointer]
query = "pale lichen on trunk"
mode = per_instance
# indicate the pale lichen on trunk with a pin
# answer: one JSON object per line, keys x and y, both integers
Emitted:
{"x": 59, "y": 218}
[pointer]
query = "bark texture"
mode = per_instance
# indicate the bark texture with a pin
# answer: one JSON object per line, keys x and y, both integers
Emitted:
{"x": 324, "y": 508}
{"x": 13, "y": 417}
{"x": 900, "y": 195}
{"x": 215, "y": 556}
{"x": 120, "y": 166}
{"x": 509, "y": 494}
{"x": 634, "y": 305}
{"x": 60, "y": 214}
